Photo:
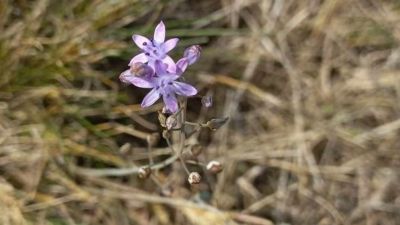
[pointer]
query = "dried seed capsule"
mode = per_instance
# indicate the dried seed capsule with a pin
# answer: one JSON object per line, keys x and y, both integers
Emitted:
{"x": 206, "y": 101}
{"x": 171, "y": 122}
{"x": 144, "y": 172}
{"x": 215, "y": 124}
{"x": 214, "y": 166}
{"x": 194, "y": 178}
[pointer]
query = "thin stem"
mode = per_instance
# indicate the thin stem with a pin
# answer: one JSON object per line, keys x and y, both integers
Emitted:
{"x": 182, "y": 135}
{"x": 196, "y": 163}
{"x": 149, "y": 151}
{"x": 194, "y": 124}
{"x": 122, "y": 171}
{"x": 179, "y": 155}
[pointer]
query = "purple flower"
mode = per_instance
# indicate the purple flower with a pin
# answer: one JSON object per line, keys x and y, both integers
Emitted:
{"x": 162, "y": 82}
{"x": 192, "y": 53}
{"x": 155, "y": 49}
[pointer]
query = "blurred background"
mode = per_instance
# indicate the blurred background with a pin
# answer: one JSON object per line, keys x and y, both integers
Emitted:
{"x": 312, "y": 89}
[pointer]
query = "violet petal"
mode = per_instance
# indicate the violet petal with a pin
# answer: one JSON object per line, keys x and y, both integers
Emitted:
{"x": 160, "y": 67}
{"x": 159, "y": 33}
{"x": 140, "y": 82}
{"x": 150, "y": 98}
{"x": 181, "y": 66}
{"x": 128, "y": 77}
{"x": 170, "y": 101}
{"x": 171, "y": 64}
{"x": 184, "y": 89}
{"x": 138, "y": 58}
{"x": 169, "y": 45}
{"x": 141, "y": 41}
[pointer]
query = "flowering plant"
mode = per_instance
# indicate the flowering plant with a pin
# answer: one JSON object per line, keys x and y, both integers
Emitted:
{"x": 155, "y": 69}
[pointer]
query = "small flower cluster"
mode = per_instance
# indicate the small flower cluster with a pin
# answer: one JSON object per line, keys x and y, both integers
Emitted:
{"x": 156, "y": 70}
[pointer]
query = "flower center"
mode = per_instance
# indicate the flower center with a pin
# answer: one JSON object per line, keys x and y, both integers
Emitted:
{"x": 153, "y": 50}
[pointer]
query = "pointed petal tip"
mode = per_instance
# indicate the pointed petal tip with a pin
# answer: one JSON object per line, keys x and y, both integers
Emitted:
{"x": 159, "y": 33}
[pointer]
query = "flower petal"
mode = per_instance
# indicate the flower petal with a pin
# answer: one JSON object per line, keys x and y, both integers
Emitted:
{"x": 170, "y": 101}
{"x": 141, "y": 41}
{"x": 128, "y": 77}
{"x": 123, "y": 77}
{"x": 184, "y": 89}
{"x": 181, "y": 66}
{"x": 169, "y": 45}
{"x": 159, "y": 33}
{"x": 138, "y": 58}
{"x": 150, "y": 98}
{"x": 171, "y": 64}
{"x": 160, "y": 67}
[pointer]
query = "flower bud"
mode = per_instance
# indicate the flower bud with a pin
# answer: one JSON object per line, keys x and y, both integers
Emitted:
{"x": 140, "y": 69}
{"x": 194, "y": 178}
{"x": 206, "y": 101}
{"x": 214, "y": 166}
{"x": 192, "y": 53}
{"x": 171, "y": 122}
{"x": 215, "y": 124}
{"x": 144, "y": 172}
{"x": 124, "y": 77}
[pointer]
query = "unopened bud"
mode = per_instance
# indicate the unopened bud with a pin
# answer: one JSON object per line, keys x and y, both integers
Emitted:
{"x": 192, "y": 53}
{"x": 140, "y": 69}
{"x": 124, "y": 76}
{"x": 206, "y": 101}
{"x": 214, "y": 166}
{"x": 144, "y": 172}
{"x": 194, "y": 178}
{"x": 171, "y": 122}
{"x": 215, "y": 124}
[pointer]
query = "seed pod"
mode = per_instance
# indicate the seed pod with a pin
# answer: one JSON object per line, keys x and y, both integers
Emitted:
{"x": 214, "y": 166}
{"x": 171, "y": 122}
{"x": 194, "y": 178}
{"x": 144, "y": 172}
{"x": 215, "y": 124}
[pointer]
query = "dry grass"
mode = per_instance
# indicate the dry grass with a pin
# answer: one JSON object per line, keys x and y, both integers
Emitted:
{"x": 312, "y": 89}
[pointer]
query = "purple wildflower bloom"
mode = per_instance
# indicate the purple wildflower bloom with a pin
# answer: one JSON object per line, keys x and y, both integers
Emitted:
{"x": 163, "y": 83}
{"x": 155, "y": 49}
